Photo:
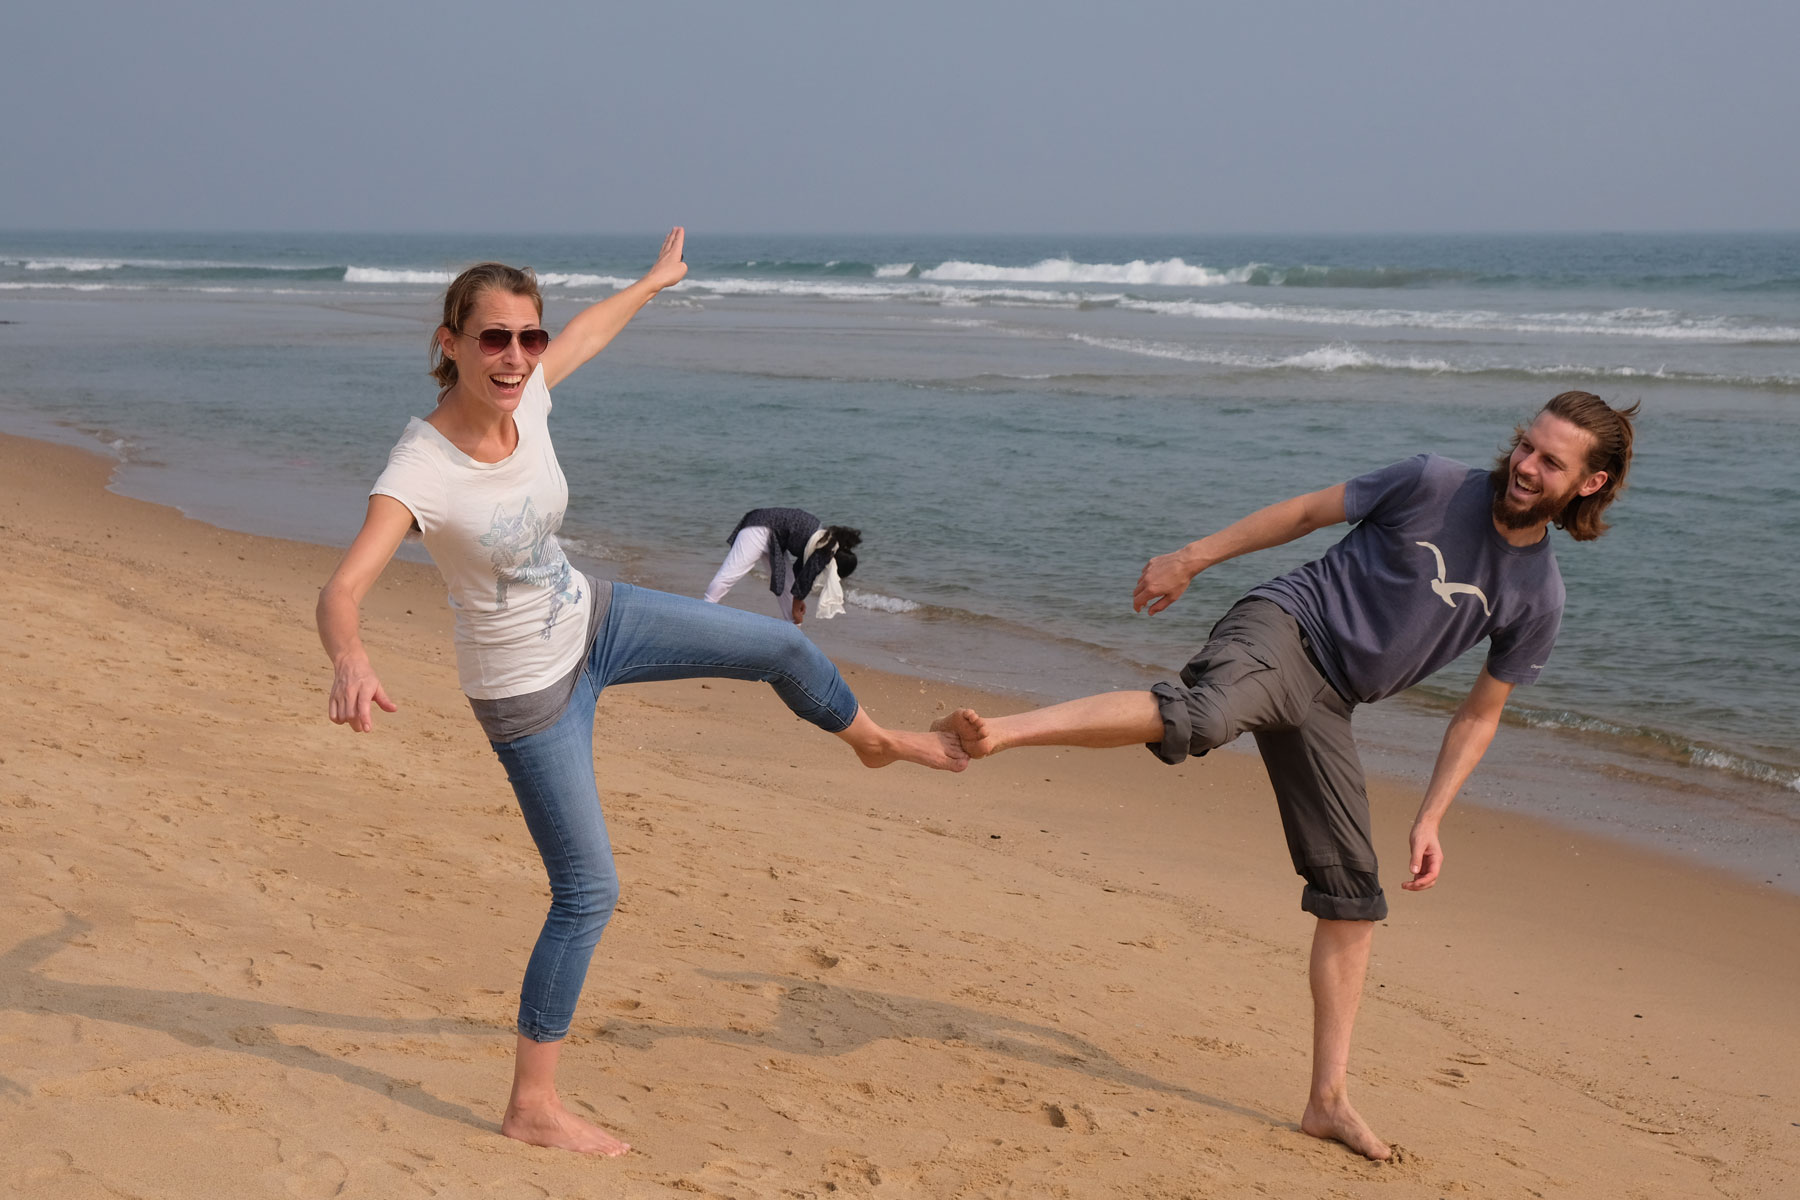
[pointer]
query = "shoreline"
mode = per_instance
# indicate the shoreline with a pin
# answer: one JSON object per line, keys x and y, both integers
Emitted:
{"x": 266, "y": 954}
{"x": 1580, "y": 780}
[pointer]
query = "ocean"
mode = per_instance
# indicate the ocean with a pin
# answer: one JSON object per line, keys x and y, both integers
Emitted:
{"x": 1017, "y": 423}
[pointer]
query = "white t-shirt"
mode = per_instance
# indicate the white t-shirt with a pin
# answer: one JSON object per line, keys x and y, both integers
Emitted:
{"x": 521, "y": 610}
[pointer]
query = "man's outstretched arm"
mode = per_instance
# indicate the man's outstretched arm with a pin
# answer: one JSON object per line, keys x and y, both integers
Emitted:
{"x": 1167, "y": 576}
{"x": 1471, "y": 728}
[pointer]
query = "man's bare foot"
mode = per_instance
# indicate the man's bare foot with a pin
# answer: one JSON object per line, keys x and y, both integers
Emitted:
{"x": 938, "y": 750}
{"x": 555, "y": 1126}
{"x": 971, "y": 730}
{"x": 1338, "y": 1122}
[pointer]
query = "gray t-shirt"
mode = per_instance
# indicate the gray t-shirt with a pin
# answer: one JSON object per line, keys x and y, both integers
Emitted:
{"x": 1422, "y": 577}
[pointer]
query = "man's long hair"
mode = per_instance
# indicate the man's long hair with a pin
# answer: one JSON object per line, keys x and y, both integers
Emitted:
{"x": 1611, "y": 431}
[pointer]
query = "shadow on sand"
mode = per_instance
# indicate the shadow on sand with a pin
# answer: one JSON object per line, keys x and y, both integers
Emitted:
{"x": 814, "y": 1019}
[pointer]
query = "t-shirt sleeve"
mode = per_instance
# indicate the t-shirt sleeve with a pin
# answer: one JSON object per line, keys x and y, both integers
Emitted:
{"x": 1518, "y": 653}
{"x": 537, "y": 392}
{"x": 413, "y": 479}
{"x": 1374, "y": 496}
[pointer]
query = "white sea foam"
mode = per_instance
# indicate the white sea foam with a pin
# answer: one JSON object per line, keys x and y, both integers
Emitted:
{"x": 74, "y": 264}
{"x": 577, "y": 279}
{"x": 393, "y": 275}
{"x": 1698, "y": 756}
{"x": 15, "y": 286}
{"x": 896, "y": 271}
{"x": 1167, "y": 272}
{"x": 1342, "y": 356}
{"x": 82, "y": 265}
{"x": 919, "y": 292}
{"x": 878, "y": 602}
{"x": 942, "y": 286}
{"x": 1338, "y": 356}
{"x": 1623, "y": 322}
{"x": 558, "y": 279}
{"x": 1721, "y": 760}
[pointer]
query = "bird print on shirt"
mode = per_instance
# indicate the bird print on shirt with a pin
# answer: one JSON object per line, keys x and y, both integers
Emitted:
{"x": 525, "y": 551}
{"x": 1448, "y": 591}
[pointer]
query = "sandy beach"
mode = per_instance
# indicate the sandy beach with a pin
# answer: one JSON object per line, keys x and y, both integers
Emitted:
{"x": 248, "y": 953}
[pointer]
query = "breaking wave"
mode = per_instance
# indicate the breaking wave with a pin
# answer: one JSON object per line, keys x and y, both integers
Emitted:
{"x": 1168, "y": 272}
{"x": 877, "y": 602}
{"x": 1344, "y": 356}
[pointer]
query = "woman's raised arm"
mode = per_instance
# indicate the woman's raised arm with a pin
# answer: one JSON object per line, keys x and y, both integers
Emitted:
{"x": 593, "y": 327}
{"x": 354, "y": 685}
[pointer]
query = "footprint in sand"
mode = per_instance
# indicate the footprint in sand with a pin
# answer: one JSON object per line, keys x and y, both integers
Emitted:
{"x": 1071, "y": 1117}
{"x": 313, "y": 1175}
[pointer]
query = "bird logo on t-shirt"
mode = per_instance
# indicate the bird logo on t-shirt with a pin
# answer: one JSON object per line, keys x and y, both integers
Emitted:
{"x": 1448, "y": 590}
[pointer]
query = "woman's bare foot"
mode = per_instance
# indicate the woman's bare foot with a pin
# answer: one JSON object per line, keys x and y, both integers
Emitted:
{"x": 877, "y": 747}
{"x": 971, "y": 731}
{"x": 555, "y": 1126}
{"x": 939, "y": 751}
{"x": 1338, "y": 1122}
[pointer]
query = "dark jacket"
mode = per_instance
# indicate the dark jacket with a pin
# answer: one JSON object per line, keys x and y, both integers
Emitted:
{"x": 792, "y": 528}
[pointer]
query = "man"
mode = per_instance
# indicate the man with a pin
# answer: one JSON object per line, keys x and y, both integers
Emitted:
{"x": 1441, "y": 556}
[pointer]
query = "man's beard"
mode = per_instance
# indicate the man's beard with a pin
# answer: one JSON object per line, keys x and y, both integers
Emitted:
{"x": 1544, "y": 509}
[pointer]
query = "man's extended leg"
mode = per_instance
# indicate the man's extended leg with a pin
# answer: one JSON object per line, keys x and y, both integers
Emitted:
{"x": 1340, "y": 960}
{"x": 1099, "y": 722}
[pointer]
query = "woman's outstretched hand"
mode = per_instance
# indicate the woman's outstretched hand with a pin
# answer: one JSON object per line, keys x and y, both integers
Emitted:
{"x": 669, "y": 269}
{"x": 353, "y": 688}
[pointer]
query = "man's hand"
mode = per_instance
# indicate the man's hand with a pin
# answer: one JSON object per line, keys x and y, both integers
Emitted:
{"x": 1427, "y": 858}
{"x": 1164, "y": 578}
{"x": 799, "y": 609}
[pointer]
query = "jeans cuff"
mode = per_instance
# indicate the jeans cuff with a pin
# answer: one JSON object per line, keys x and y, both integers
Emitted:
{"x": 532, "y": 1028}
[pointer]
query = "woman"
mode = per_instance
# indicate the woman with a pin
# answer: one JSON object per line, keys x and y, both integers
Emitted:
{"x": 822, "y": 554}
{"x": 537, "y": 641}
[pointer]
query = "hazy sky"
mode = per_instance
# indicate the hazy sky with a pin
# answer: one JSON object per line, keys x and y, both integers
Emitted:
{"x": 908, "y": 116}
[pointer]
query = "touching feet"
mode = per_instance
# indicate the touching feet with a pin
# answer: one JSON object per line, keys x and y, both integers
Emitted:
{"x": 1335, "y": 1121}
{"x": 555, "y": 1126}
{"x": 877, "y": 747}
{"x": 971, "y": 731}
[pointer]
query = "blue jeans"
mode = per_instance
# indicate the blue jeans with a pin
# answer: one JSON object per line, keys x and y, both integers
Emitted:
{"x": 646, "y": 636}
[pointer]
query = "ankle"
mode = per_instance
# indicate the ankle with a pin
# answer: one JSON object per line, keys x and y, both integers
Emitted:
{"x": 533, "y": 1100}
{"x": 1329, "y": 1097}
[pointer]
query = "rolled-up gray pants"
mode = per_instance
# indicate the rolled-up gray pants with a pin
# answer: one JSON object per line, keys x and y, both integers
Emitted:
{"x": 1254, "y": 676}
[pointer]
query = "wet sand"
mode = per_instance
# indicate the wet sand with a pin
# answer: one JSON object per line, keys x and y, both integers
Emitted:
{"x": 250, "y": 953}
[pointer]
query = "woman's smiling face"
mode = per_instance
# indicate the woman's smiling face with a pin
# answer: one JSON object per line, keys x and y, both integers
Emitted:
{"x": 497, "y": 379}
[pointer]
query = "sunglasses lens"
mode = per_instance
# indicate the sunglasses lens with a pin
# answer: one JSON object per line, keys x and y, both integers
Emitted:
{"x": 532, "y": 341}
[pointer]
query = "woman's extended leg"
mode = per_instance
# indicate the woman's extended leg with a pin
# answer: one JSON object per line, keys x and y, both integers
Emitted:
{"x": 656, "y": 636}
{"x": 552, "y": 773}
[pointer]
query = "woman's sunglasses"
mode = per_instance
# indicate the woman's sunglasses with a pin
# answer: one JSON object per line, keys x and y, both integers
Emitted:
{"x": 494, "y": 341}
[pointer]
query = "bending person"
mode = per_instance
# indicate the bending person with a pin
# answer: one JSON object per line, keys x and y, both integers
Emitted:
{"x": 537, "y": 641}
{"x": 822, "y": 554}
{"x": 1442, "y": 556}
